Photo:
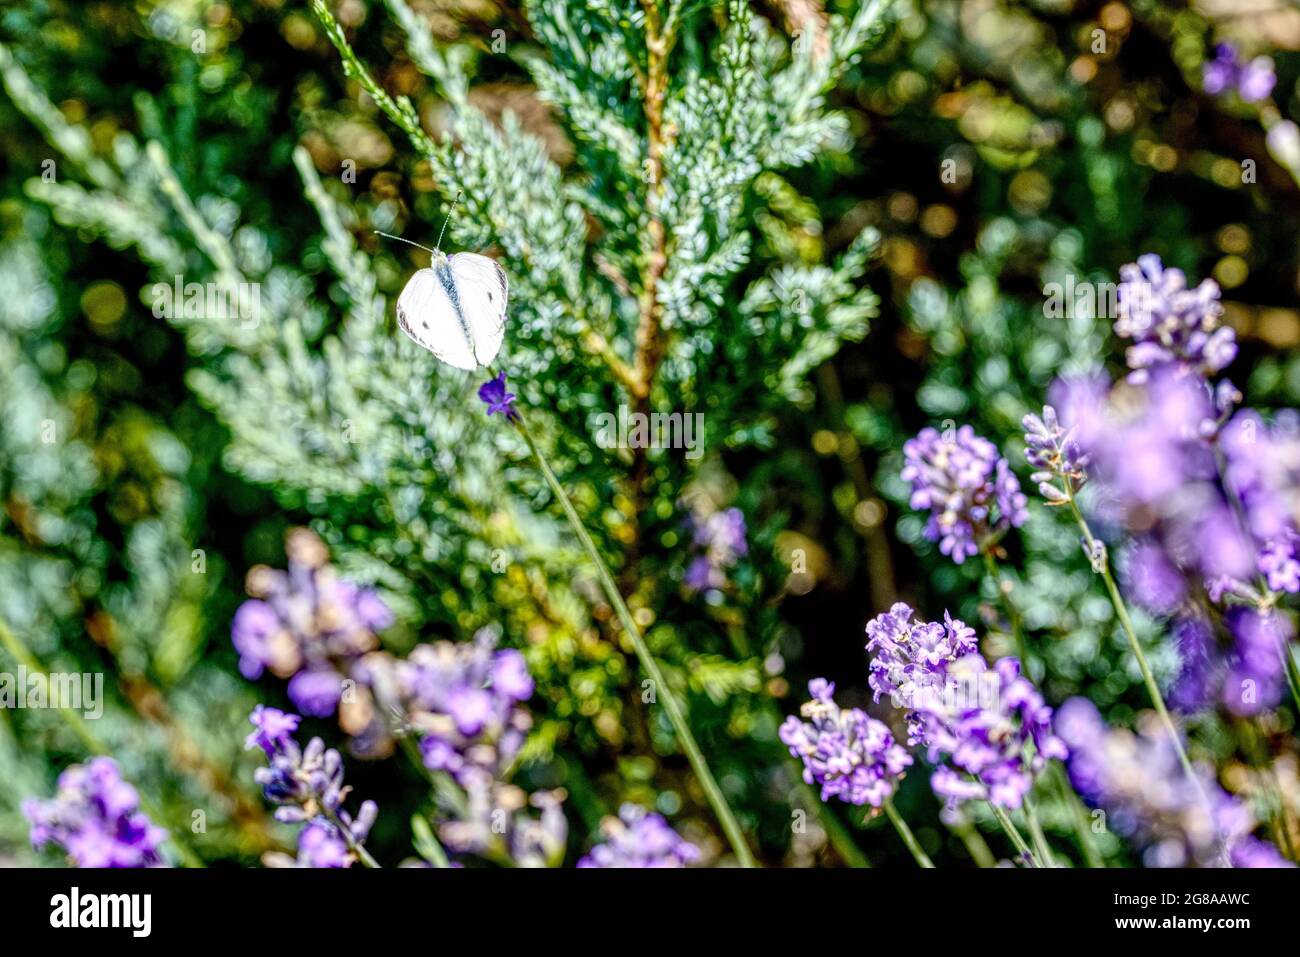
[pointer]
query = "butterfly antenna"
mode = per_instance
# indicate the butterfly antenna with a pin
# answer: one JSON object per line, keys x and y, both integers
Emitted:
{"x": 455, "y": 202}
{"x": 407, "y": 241}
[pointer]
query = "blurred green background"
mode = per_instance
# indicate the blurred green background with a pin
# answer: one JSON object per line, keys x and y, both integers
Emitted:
{"x": 1066, "y": 160}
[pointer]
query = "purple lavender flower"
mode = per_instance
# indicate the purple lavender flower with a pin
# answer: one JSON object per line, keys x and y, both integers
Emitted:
{"x": 1213, "y": 502}
{"x": 846, "y": 752}
{"x": 1220, "y": 74}
{"x": 496, "y": 398}
{"x": 1171, "y": 325}
{"x": 1254, "y": 681}
{"x": 1279, "y": 563}
{"x": 1262, "y": 471}
{"x": 319, "y": 845}
{"x": 1257, "y": 80}
{"x": 1199, "y": 658}
{"x": 640, "y": 838}
{"x": 1156, "y": 471}
{"x": 95, "y": 818}
{"x": 1056, "y": 454}
{"x": 306, "y": 785}
{"x": 982, "y": 730}
{"x": 967, "y": 487}
{"x": 273, "y": 729}
{"x": 1251, "y": 81}
{"x": 1156, "y": 583}
{"x": 719, "y": 538}
{"x": 1138, "y": 781}
{"x": 465, "y": 701}
{"x": 910, "y": 658}
{"x": 306, "y": 624}
{"x": 1250, "y": 851}
{"x": 1081, "y": 404}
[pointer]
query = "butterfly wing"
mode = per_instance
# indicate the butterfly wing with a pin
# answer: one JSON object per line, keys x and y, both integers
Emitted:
{"x": 433, "y": 319}
{"x": 482, "y": 290}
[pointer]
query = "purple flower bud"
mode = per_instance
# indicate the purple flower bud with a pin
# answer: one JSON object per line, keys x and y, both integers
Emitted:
{"x": 1257, "y": 80}
{"x": 1220, "y": 74}
{"x": 319, "y": 845}
{"x": 274, "y": 729}
{"x": 496, "y": 398}
{"x": 316, "y": 691}
{"x": 968, "y": 489}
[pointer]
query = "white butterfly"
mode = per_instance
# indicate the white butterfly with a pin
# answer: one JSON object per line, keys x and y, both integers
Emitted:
{"x": 456, "y": 308}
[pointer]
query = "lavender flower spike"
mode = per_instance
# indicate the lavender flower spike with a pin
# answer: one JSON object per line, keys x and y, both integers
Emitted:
{"x": 967, "y": 487}
{"x": 848, "y": 753}
{"x": 1056, "y": 454}
{"x": 640, "y": 838}
{"x": 910, "y": 658}
{"x": 1137, "y": 781}
{"x": 306, "y": 784}
{"x": 95, "y": 818}
{"x": 983, "y": 729}
{"x": 306, "y": 624}
{"x": 466, "y": 700}
{"x": 1170, "y": 324}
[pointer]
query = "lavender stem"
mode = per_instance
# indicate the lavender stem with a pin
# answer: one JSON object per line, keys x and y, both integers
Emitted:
{"x": 675, "y": 714}
{"x": 1121, "y": 611}
{"x": 906, "y": 834}
{"x": 1009, "y": 827}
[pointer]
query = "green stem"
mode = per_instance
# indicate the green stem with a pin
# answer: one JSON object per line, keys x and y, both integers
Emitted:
{"x": 1079, "y": 815}
{"x": 1004, "y": 599}
{"x": 675, "y": 714}
{"x": 399, "y": 110}
{"x": 1009, "y": 828}
{"x": 426, "y": 844}
{"x": 23, "y": 655}
{"x": 976, "y": 846}
{"x": 1121, "y": 611}
{"x": 1036, "y": 831}
{"x": 906, "y": 834}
